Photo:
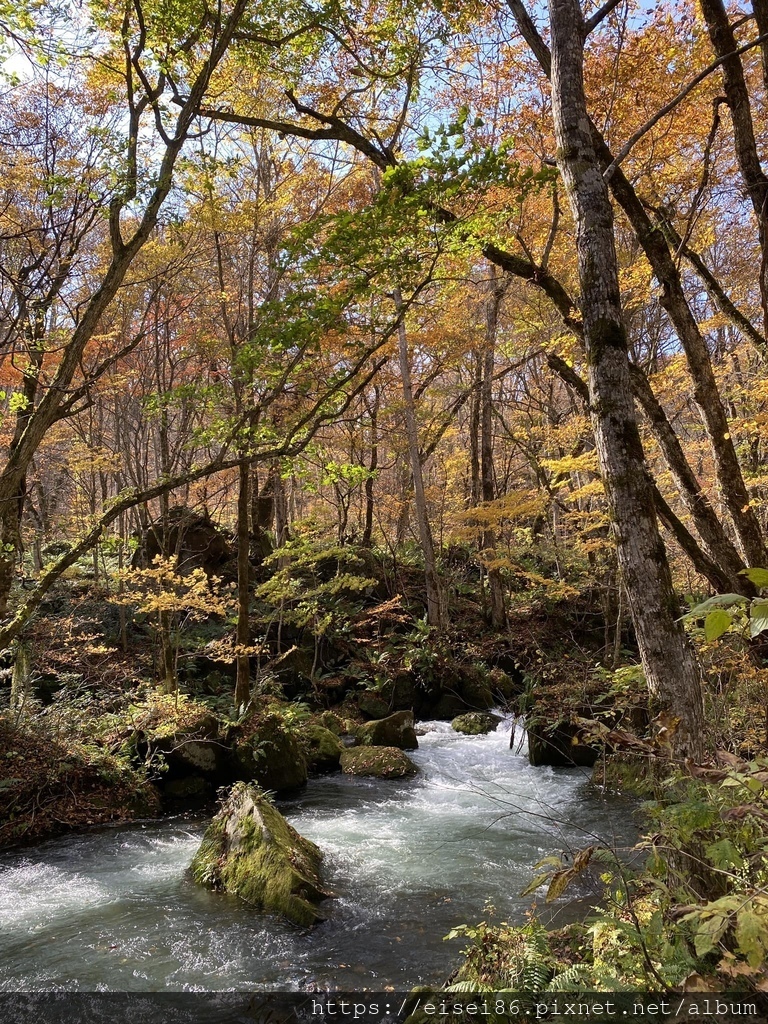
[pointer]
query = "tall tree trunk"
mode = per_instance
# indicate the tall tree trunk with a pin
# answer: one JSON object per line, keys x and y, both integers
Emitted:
{"x": 243, "y": 680}
{"x": 755, "y": 180}
{"x": 373, "y": 411}
{"x": 476, "y": 489}
{"x": 282, "y": 528}
{"x": 674, "y": 301}
{"x": 435, "y": 606}
{"x": 715, "y": 541}
{"x": 498, "y": 612}
{"x": 668, "y": 661}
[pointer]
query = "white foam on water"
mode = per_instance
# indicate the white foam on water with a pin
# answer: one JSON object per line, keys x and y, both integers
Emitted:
{"x": 32, "y": 895}
{"x": 406, "y": 859}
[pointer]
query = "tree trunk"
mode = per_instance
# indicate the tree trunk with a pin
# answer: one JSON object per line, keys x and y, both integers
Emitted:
{"x": 435, "y": 608}
{"x": 755, "y": 180}
{"x": 372, "y": 467}
{"x": 497, "y": 609}
{"x": 715, "y": 541}
{"x": 243, "y": 680}
{"x": 20, "y": 677}
{"x": 670, "y": 667}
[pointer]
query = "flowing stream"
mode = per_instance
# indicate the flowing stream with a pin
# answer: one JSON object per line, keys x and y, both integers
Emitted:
{"x": 114, "y": 910}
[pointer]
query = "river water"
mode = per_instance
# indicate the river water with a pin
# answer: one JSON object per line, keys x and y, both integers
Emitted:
{"x": 408, "y": 860}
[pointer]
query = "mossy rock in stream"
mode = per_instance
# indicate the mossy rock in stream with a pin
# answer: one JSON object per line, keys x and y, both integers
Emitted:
{"x": 249, "y": 850}
{"x": 323, "y": 748}
{"x": 377, "y": 762}
{"x": 476, "y": 723}
{"x": 271, "y": 755}
{"x": 373, "y": 705}
{"x": 394, "y": 731}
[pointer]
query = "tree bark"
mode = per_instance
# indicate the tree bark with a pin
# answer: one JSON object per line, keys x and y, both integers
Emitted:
{"x": 670, "y": 667}
{"x": 737, "y": 95}
{"x": 497, "y": 609}
{"x": 435, "y": 605}
{"x": 243, "y": 636}
{"x": 373, "y": 465}
{"x": 714, "y": 539}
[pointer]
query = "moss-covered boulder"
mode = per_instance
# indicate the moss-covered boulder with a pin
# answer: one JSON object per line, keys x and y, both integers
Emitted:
{"x": 270, "y": 754}
{"x": 332, "y": 722}
{"x": 322, "y": 749}
{"x": 250, "y": 851}
{"x": 476, "y": 723}
{"x": 472, "y": 685}
{"x": 378, "y": 762}
{"x": 179, "y": 731}
{"x": 372, "y": 705}
{"x": 393, "y": 731}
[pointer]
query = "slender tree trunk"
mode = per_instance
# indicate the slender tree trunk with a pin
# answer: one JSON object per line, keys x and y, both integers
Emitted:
{"x": 715, "y": 540}
{"x": 243, "y": 680}
{"x": 20, "y": 677}
{"x": 435, "y": 607}
{"x": 282, "y": 530}
{"x": 372, "y": 467}
{"x": 497, "y": 609}
{"x": 723, "y": 40}
{"x": 476, "y": 489}
{"x": 670, "y": 667}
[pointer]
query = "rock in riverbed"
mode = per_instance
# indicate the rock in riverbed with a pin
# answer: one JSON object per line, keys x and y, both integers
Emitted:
{"x": 476, "y": 723}
{"x": 250, "y": 851}
{"x": 378, "y": 762}
{"x": 394, "y": 731}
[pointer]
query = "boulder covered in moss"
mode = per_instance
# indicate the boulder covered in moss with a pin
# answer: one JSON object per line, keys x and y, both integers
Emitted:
{"x": 377, "y": 762}
{"x": 394, "y": 731}
{"x": 271, "y": 755}
{"x": 249, "y": 850}
{"x": 322, "y": 749}
{"x": 184, "y": 733}
{"x": 373, "y": 705}
{"x": 330, "y": 721}
{"x": 476, "y": 723}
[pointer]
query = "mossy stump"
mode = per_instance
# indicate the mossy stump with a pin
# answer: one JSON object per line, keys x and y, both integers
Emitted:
{"x": 476, "y": 723}
{"x": 250, "y": 851}
{"x": 377, "y": 762}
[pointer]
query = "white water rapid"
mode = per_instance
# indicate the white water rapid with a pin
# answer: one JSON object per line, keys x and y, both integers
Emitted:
{"x": 115, "y": 910}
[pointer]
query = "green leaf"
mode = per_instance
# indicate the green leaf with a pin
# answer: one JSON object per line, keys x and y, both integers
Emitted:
{"x": 718, "y": 601}
{"x": 724, "y": 855}
{"x": 534, "y": 884}
{"x": 716, "y": 623}
{"x": 709, "y": 933}
{"x": 750, "y": 936}
{"x": 758, "y": 617}
{"x": 757, "y": 576}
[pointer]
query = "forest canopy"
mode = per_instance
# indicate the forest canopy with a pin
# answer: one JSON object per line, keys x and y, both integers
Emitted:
{"x": 362, "y": 359}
